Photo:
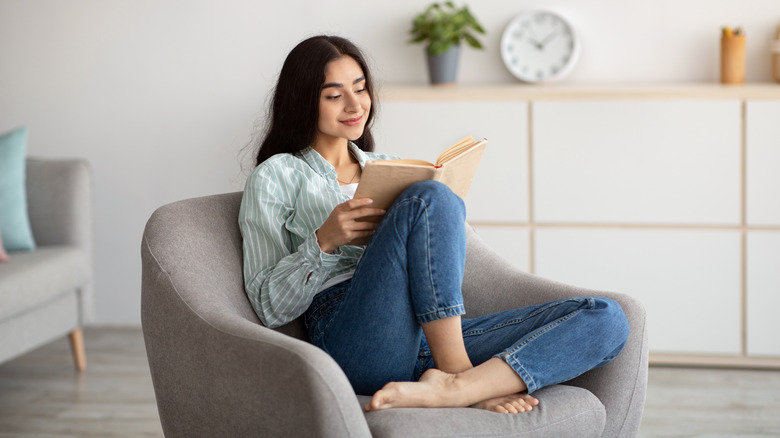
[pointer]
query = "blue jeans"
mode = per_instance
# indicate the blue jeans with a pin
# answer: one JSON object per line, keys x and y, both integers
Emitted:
{"x": 411, "y": 273}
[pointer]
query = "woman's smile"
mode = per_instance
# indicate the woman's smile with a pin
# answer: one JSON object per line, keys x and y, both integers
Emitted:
{"x": 355, "y": 121}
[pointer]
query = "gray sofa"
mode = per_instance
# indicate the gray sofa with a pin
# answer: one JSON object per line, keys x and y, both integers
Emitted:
{"x": 47, "y": 293}
{"x": 217, "y": 372}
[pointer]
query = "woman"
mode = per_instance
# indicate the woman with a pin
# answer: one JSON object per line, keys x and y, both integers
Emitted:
{"x": 390, "y": 313}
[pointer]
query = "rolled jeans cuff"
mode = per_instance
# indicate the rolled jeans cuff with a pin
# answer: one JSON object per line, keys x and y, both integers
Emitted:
{"x": 442, "y": 313}
{"x": 530, "y": 384}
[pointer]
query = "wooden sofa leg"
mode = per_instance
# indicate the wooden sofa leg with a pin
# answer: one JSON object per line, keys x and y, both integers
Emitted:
{"x": 77, "y": 347}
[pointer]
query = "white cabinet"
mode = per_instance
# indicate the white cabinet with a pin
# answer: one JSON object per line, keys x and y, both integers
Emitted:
{"x": 763, "y": 220}
{"x": 666, "y": 193}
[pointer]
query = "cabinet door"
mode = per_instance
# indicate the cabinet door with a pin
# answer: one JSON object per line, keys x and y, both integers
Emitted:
{"x": 763, "y": 296}
{"x": 422, "y": 130}
{"x": 688, "y": 280}
{"x": 637, "y": 161}
{"x": 763, "y": 161}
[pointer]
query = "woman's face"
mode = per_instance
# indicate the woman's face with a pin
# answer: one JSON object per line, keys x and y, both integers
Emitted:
{"x": 344, "y": 101}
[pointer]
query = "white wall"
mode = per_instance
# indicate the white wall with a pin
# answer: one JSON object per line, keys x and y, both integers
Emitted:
{"x": 162, "y": 95}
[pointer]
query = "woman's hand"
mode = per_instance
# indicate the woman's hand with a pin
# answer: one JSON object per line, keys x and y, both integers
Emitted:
{"x": 343, "y": 224}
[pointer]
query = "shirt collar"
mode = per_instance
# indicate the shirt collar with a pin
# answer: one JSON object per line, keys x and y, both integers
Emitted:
{"x": 323, "y": 167}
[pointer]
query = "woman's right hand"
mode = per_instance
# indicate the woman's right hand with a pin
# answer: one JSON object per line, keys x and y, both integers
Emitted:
{"x": 343, "y": 226}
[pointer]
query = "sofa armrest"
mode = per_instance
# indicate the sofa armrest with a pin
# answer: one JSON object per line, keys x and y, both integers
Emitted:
{"x": 217, "y": 374}
{"x": 492, "y": 284}
{"x": 59, "y": 197}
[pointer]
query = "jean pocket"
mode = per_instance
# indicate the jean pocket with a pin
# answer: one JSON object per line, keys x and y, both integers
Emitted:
{"x": 322, "y": 307}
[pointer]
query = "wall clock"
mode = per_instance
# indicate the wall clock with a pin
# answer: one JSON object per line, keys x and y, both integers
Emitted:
{"x": 540, "y": 46}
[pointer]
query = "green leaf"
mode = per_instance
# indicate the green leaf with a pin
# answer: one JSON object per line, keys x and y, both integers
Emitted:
{"x": 443, "y": 25}
{"x": 473, "y": 42}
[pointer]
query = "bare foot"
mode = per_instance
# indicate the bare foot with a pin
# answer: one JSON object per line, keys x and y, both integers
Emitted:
{"x": 484, "y": 384}
{"x": 510, "y": 404}
{"x": 433, "y": 390}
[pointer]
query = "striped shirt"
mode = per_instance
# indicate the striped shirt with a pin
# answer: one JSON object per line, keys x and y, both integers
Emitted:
{"x": 286, "y": 199}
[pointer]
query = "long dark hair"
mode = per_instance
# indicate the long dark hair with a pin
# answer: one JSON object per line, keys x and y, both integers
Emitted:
{"x": 292, "y": 119}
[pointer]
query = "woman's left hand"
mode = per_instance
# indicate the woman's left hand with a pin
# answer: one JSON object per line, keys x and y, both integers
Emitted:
{"x": 343, "y": 225}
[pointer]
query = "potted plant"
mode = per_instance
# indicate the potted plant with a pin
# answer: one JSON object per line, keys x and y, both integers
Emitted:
{"x": 444, "y": 26}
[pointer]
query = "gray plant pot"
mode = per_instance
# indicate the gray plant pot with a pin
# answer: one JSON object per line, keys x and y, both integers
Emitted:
{"x": 443, "y": 69}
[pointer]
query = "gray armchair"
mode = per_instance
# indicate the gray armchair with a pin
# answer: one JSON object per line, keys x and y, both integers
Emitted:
{"x": 218, "y": 372}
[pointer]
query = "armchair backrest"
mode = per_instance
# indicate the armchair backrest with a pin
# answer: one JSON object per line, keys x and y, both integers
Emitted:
{"x": 205, "y": 256}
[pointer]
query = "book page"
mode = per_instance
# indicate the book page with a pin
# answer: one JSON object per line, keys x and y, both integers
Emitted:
{"x": 455, "y": 150}
{"x": 458, "y": 172}
{"x": 409, "y": 162}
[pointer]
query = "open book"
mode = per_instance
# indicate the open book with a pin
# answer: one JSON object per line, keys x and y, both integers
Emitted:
{"x": 385, "y": 180}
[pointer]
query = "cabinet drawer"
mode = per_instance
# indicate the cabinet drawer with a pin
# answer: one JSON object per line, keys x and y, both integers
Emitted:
{"x": 637, "y": 161}
{"x": 689, "y": 281}
{"x": 763, "y": 293}
{"x": 763, "y": 160}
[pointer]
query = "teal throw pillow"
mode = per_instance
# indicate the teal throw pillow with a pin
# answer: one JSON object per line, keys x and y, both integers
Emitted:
{"x": 3, "y": 255}
{"x": 14, "y": 220}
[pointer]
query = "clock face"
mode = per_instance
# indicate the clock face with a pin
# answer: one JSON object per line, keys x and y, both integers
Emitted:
{"x": 539, "y": 46}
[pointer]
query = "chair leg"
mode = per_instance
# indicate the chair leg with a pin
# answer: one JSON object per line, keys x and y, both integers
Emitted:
{"x": 77, "y": 347}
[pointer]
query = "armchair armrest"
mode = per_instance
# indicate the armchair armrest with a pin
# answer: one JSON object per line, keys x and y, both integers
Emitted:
{"x": 492, "y": 284}
{"x": 217, "y": 372}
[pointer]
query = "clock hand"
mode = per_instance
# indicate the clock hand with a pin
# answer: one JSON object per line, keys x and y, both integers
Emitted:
{"x": 547, "y": 39}
{"x": 536, "y": 44}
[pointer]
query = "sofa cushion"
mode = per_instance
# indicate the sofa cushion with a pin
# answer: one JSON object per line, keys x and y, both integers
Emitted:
{"x": 14, "y": 220}
{"x": 562, "y": 411}
{"x": 32, "y": 278}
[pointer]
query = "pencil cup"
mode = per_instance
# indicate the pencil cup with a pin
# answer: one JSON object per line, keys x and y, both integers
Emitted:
{"x": 776, "y": 55}
{"x": 732, "y": 59}
{"x": 776, "y": 60}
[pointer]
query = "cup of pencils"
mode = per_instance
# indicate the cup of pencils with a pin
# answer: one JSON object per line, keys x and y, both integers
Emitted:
{"x": 732, "y": 55}
{"x": 776, "y": 56}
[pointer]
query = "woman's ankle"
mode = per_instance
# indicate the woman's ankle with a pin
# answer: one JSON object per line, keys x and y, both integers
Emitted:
{"x": 455, "y": 366}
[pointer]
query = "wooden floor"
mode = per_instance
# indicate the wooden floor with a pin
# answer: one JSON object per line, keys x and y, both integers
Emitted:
{"x": 42, "y": 396}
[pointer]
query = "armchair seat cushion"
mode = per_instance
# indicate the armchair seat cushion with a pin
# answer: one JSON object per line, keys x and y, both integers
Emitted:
{"x": 31, "y": 279}
{"x": 562, "y": 411}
